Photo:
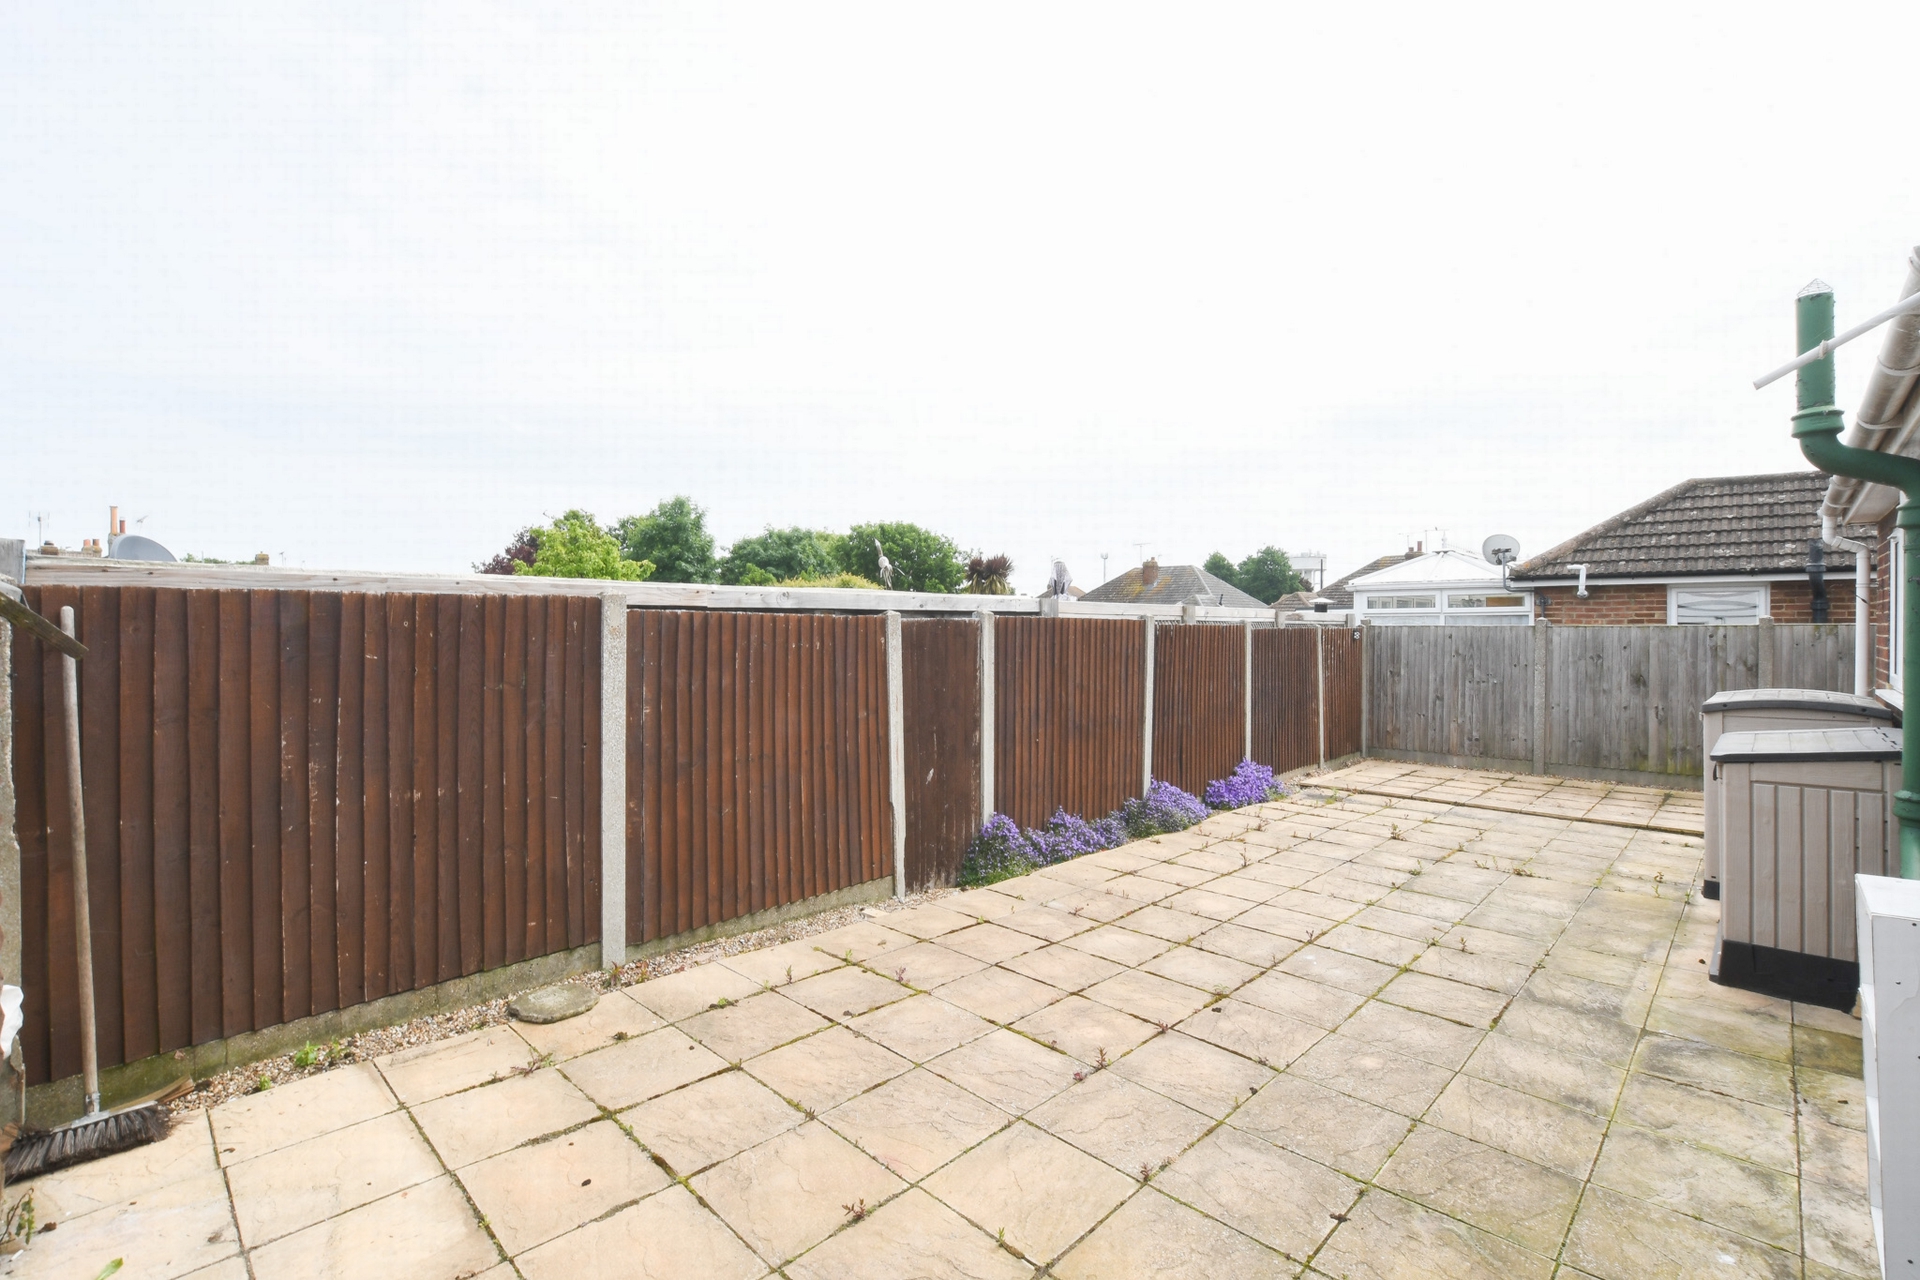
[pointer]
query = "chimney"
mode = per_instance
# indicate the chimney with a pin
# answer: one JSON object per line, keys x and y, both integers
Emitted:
{"x": 113, "y": 524}
{"x": 1149, "y": 573}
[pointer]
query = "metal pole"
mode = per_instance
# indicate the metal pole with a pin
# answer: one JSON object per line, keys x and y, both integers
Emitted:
{"x": 897, "y": 754}
{"x": 1817, "y": 424}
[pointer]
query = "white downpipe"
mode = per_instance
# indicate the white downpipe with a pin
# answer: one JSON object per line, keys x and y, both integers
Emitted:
{"x": 1862, "y": 652}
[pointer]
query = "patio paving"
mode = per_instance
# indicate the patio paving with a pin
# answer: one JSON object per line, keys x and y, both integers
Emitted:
{"x": 1381, "y": 1030}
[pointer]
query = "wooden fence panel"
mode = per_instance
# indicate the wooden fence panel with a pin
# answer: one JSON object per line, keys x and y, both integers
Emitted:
{"x": 756, "y": 772}
{"x": 256, "y": 841}
{"x": 1286, "y": 719}
{"x": 1344, "y": 652}
{"x": 941, "y": 679}
{"x": 1069, "y": 712}
{"x": 1620, "y": 700}
{"x": 1452, "y": 691}
{"x": 1199, "y": 700}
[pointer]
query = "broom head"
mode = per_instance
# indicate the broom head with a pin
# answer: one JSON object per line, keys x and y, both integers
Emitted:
{"x": 39, "y": 1150}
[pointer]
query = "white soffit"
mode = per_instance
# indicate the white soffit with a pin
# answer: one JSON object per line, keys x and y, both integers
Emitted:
{"x": 1888, "y": 414}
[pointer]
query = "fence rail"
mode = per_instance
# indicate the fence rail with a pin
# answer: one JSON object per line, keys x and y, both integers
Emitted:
{"x": 1619, "y": 702}
{"x": 303, "y": 800}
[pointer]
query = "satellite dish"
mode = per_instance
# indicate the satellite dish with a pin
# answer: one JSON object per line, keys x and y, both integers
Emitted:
{"x": 1500, "y": 549}
{"x": 131, "y": 546}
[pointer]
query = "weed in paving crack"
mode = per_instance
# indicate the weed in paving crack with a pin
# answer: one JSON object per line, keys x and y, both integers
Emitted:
{"x": 855, "y": 1212}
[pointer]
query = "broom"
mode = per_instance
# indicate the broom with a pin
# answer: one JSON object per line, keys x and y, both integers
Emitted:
{"x": 97, "y": 1133}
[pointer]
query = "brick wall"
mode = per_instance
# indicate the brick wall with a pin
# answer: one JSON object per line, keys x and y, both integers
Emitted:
{"x": 1793, "y": 601}
{"x": 1640, "y": 603}
{"x": 1877, "y": 600}
{"x": 1604, "y": 606}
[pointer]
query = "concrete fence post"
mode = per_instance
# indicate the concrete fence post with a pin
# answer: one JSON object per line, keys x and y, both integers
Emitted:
{"x": 987, "y": 679}
{"x": 1146, "y": 733}
{"x": 1542, "y": 648}
{"x": 1320, "y": 686}
{"x": 1765, "y": 656}
{"x": 613, "y": 779}
{"x": 1246, "y": 687}
{"x": 897, "y": 752}
{"x": 1366, "y": 681}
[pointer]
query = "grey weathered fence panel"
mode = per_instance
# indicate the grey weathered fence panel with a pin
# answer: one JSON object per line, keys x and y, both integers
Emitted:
{"x": 1620, "y": 701}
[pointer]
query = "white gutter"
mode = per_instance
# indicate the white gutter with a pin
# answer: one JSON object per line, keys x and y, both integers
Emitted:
{"x": 1889, "y": 410}
{"x": 1862, "y": 654}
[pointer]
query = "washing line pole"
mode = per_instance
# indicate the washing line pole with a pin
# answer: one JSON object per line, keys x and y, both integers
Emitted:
{"x": 1817, "y": 424}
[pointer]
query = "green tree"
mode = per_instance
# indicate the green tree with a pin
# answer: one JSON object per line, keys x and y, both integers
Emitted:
{"x": 1222, "y": 568}
{"x": 674, "y": 538}
{"x": 1266, "y": 575}
{"x": 575, "y": 546}
{"x": 922, "y": 560}
{"x": 778, "y": 554}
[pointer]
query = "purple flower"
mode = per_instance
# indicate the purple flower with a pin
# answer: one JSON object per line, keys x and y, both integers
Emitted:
{"x": 1165, "y": 808}
{"x": 1251, "y": 783}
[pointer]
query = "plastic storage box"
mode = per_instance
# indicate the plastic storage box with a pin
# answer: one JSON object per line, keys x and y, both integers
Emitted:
{"x": 1740, "y": 710}
{"x": 1805, "y": 810}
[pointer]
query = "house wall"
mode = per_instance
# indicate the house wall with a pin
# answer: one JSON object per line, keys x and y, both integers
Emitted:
{"x": 1877, "y": 601}
{"x": 1646, "y": 603}
{"x": 1604, "y": 606}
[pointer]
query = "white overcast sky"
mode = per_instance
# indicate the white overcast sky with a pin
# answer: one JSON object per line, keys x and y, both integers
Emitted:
{"x": 372, "y": 286}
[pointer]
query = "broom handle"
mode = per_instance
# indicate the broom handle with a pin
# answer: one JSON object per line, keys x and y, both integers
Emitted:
{"x": 82, "y": 903}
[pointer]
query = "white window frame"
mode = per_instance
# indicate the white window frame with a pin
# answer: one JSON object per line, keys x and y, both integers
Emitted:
{"x": 1674, "y": 590}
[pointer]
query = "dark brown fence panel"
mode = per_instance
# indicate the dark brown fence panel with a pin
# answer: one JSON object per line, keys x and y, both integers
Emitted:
{"x": 1069, "y": 702}
{"x": 274, "y": 781}
{"x": 756, "y": 763}
{"x": 941, "y": 678}
{"x": 1345, "y": 658}
{"x": 1286, "y": 717}
{"x": 1199, "y": 699}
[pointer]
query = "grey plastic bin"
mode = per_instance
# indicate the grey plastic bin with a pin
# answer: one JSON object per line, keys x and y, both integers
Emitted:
{"x": 1805, "y": 811}
{"x": 1739, "y": 710}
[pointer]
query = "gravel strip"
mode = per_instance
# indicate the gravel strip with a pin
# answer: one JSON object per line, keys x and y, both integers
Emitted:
{"x": 366, "y": 1045}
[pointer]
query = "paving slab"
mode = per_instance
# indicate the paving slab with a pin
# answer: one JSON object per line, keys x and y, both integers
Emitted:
{"x": 1445, "y": 1024}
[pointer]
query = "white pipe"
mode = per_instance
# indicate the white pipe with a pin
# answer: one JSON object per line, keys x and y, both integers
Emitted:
{"x": 1862, "y": 653}
{"x": 1826, "y": 348}
{"x": 1581, "y": 590}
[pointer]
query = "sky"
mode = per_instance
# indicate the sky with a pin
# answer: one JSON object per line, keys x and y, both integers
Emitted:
{"x": 373, "y": 286}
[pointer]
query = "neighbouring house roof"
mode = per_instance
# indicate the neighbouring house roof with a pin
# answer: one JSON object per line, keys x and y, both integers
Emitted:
{"x": 1177, "y": 584}
{"x": 1887, "y": 413}
{"x": 1339, "y": 594}
{"x": 1445, "y": 567}
{"x": 1716, "y": 527}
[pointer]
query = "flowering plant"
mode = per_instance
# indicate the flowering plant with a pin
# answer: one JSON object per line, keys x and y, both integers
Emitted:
{"x": 1163, "y": 810}
{"x": 1251, "y": 783}
{"x": 1003, "y": 850}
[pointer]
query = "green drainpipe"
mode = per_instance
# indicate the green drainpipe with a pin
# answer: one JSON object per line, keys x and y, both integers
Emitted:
{"x": 1817, "y": 427}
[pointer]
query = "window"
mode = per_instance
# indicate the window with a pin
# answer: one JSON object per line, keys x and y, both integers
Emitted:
{"x": 1484, "y": 602}
{"x": 1716, "y": 606}
{"x": 1400, "y": 602}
